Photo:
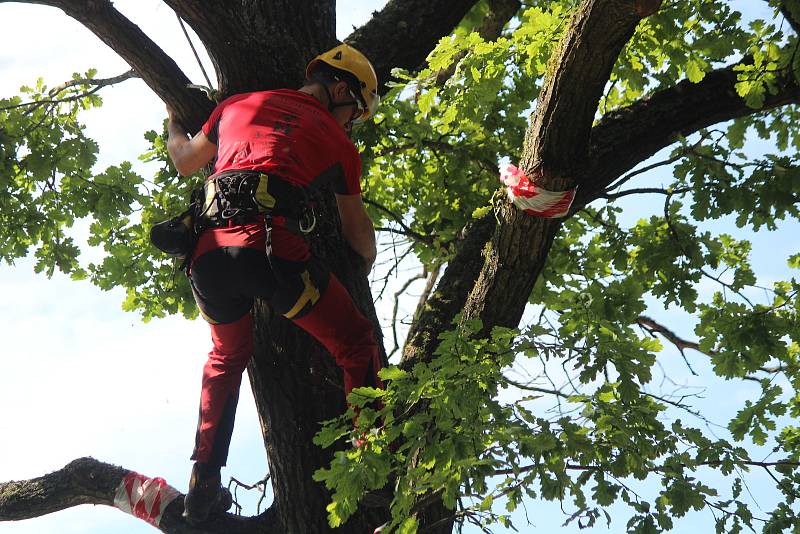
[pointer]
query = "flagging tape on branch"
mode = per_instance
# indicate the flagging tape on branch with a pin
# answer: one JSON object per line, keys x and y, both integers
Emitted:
{"x": 145, "y": 498}
{"x": 531, "y": 198}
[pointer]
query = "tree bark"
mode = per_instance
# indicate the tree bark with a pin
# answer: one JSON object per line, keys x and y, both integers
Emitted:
{"x": 277, "y": 38}
{"x": 296, "y": 385}
{"x": 404, "y": 32}
{"x": 280, "y": 37}
{"x": 557, "y": 139}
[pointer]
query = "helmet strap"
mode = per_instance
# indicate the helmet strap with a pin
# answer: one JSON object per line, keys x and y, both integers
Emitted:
{"x": 324, "y": 83}
{"x": 331, "y": 104}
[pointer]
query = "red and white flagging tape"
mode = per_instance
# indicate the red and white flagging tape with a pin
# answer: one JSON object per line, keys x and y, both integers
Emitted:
{"x": 145, "y": 498}
{"x": 531, "y": 198}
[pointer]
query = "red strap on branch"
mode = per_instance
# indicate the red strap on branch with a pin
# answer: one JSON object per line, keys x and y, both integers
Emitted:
{"x": 145, "y": 498}
{"x": 531, "y": 198}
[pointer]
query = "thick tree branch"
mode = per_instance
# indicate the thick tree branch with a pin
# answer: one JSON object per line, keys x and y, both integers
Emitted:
{"x": 500, "y": 13}
{"x": 400, "y": 35}
{"x": 630, "y": 135}
{"x": 157, "y": 69}
{"x": 563, "y": 120}
{"x": 83, "y": 481}
{"x": 295, "y": 31}
{"x": 89, "y": 481}
{"x": 404, "y": 32}
{"x": 618, "y": 143}
{"x": 437, "y": 314}
{"x": 556, "y": 141}
{"x": 791, "y": 10}
{"x": 494, "y": 280}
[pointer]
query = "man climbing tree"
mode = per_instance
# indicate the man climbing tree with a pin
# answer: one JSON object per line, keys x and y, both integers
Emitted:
{"x": 269, "y": 148}
{"x": 580, "y": 293}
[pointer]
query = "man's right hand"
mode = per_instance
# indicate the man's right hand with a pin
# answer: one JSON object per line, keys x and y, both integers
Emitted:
{"x": 170, "y": 114}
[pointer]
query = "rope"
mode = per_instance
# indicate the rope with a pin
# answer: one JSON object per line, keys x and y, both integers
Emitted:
{"x": 191, "y": 45}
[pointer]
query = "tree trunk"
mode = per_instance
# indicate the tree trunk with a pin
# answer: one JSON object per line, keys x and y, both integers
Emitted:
{"x": 297, "y": 384}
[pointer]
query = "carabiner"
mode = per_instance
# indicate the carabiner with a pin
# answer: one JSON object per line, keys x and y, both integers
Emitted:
{"x": 304, "y": 225}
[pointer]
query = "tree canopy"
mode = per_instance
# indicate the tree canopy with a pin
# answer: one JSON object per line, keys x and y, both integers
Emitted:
{"x": 540, "y": 360}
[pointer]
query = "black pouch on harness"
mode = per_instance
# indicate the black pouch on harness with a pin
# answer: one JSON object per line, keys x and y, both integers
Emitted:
{"x": 175, "y": 236}
{"x": 178, "y": 236}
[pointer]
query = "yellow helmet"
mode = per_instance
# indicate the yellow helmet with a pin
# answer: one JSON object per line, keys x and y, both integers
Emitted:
{"x": 345, "y": 57}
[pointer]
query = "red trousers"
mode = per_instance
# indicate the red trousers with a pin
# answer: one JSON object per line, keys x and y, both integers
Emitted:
{"x": 226, "y": 279}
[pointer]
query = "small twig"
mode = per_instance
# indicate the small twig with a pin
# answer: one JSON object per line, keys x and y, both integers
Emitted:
{"x": 433, "y": 277}
{"x": 260, "y": 485}
{"x": 395, "y": 266}
{"x": 651, "y": 326}
{"x": 627, "y": 177}
{"x": 97, "y": 83}
{"x": 646, "y": 190}
{"x": 654, "y": 327}
{"x": 395, "y": 231}
{"x": 685, "y": 407}
{"x": 397, "y": 296}
{"x": 789, "y": 491}
{"x": 676, "y": 238}
{"x": 399, "y": 220}
{"x": 414, "y": 145}
{"x": 537, "y": 389}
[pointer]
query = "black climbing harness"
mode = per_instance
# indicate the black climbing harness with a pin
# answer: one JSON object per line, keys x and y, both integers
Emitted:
{"x": 238, "y": 197}
{"x": 231, "y": 199}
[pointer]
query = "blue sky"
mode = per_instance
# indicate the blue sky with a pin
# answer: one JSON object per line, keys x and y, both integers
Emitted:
{"x": 81, "y": 377}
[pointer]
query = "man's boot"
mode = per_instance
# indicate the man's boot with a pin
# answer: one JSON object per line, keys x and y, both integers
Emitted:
{"x": 204, "y": 493}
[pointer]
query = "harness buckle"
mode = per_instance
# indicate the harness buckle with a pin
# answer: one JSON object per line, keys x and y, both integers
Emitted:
{"x": 229, "y": 213}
